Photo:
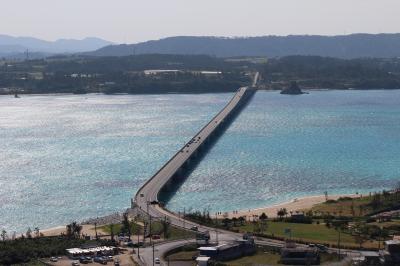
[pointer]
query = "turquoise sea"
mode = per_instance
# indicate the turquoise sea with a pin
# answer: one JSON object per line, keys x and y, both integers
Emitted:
{"x": 72, "y": 157}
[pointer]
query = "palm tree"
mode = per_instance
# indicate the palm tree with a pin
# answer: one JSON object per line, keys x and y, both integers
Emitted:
{"x": 263, "y": 218}
{"x": 4, "y": 235}
{"x": 111, "y": 232}
{"x": 29, "y": 233}
{"x": 74, "y": 230}
{"x": 241, "y": 220}
{"x": 234, "y": 220}
{"x": 282, "y": 212}
{"x": 37, "y": 231}
{"x": 95, "y": 230}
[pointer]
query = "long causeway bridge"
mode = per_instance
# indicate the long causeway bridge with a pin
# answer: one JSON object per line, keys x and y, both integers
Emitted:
{"x": 147, "y": 198}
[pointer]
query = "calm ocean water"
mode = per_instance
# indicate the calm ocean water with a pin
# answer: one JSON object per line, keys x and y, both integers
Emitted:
{"x": 72, "y": 157}
{"x": 67, "y": 157}
{"x": 283, "y": 147}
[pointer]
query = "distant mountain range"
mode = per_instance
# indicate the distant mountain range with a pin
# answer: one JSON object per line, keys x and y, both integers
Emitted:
{"x": 345, "y": 46}
{"x": 17, "y": 46}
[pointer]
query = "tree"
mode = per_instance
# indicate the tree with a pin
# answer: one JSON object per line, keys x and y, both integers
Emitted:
{"x": 234, "y": 221}
{"x": 282, "y": 212}
{"x": 126, "y": 225}
{"x": 166, "y": 225}
{"x": 95, "y": 230}
{"x": 352, "y": 210}
{"x": 361, "y": 210}
{"x": 361, "y": 233}
{"x": 111, "y": 231}
{"x": 225, "y": 222}
{"x": 29, "y": 233}
{"x": 37, "y": 232}
{"x": 242, "y": 220}
{"x": 263, "y": 218}
{"x": 74, "y": 230}
{"x": 3, "y": 235}
{"x": 376, "y": 201}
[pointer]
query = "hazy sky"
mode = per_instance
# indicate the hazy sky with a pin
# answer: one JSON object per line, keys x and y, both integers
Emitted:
{"x": 139, "y": 20}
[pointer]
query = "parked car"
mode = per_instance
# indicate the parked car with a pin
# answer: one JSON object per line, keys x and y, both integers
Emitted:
{"x": 75, "y": 263}
{"x": 85, "y": 260}
{"x": 157, "y": 261}
{"x": 156, "y": 237}
{"x": 100, "y": 260}
{"x": 194, "y": 228}
{"x": 322, "y": 248}
{"x": 53, "y": 259}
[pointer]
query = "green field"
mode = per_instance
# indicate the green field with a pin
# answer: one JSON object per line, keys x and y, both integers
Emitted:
{"x": 313, "y": 233}
{"x": 260, "y": 258}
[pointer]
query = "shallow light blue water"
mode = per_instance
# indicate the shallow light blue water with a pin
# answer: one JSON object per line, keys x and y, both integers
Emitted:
{"x": 283, "y": 147}
{"x": 72, "y": 157}
{"x": 67, "y": 157}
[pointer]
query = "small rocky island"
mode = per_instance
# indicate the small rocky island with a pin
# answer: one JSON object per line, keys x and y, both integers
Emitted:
{"x": 293, "y": 89}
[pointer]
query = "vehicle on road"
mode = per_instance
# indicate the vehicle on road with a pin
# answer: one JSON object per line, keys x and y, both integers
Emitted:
{"x": 322, "y": 248}
{"x": 157, "y": 261}
{"x": 53, "y": 259}
{"x": 194, "y": 228}
{"x": 156, "y": 237}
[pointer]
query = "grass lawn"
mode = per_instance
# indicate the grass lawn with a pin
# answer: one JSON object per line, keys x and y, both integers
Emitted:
{"x": 360, "y": 206}
{"x": 257, "y": 259}
{"x": 183, "y": 256}
{"x": 345, "y": 207}
{"x": 118, "y": 227}
{"x": 315, "y": 233}
{"x": 268, "y": 258}
{"x": 262, "y": 257}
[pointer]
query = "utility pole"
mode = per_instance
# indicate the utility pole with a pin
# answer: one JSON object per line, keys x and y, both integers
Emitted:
{"x": 184, "y": 228}
{"x": 144, "y": 231}
{"x": 153, "y": 254}
{"x": 150, "y": 231}
{"x": 138, "y": 233}
{"x": 339, "y": 244}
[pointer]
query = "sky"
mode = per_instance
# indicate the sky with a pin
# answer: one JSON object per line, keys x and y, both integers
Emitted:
{"x": 131, "y": 21}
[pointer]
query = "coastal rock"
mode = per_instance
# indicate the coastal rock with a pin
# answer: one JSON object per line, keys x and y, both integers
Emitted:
{"x": 293, "y": 89}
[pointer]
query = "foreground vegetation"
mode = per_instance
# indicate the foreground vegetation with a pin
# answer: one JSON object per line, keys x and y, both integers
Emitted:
{"x": 23, "y": 250}
{"x": 263, "y": 256}
{"x": 349, "y": 222}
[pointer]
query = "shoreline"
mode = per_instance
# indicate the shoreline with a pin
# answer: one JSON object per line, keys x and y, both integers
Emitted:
{"x": 296, "y": 204}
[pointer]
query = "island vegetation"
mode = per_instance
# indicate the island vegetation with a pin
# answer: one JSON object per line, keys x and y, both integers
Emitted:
{"x": 152, "y": 73}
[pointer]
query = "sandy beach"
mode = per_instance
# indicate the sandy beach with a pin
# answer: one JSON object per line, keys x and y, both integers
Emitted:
{"x": 298, "y": 204}
{"x": 294, "y": 205}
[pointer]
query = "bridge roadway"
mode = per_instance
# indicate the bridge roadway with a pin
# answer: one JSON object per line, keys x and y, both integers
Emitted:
{"x": 150, "y": 190}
